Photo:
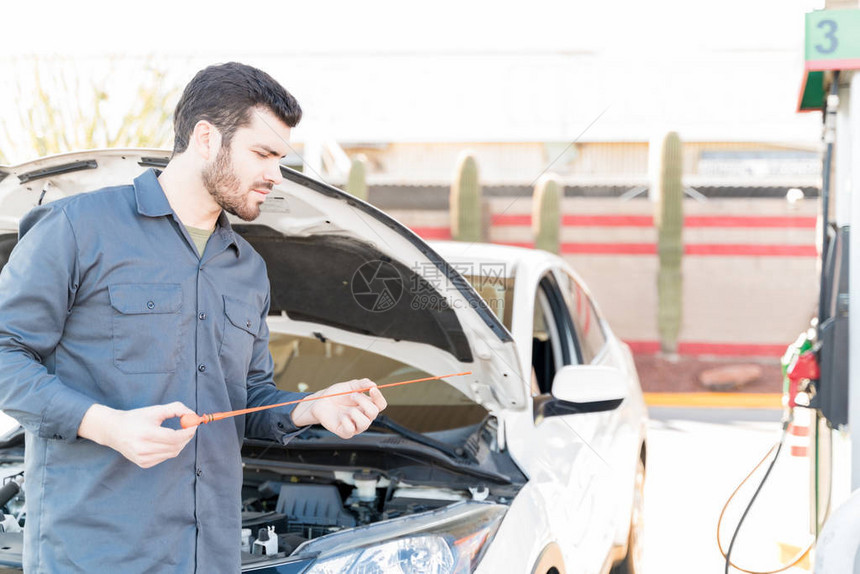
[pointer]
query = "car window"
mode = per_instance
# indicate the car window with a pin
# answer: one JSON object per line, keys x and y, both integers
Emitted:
{"x": 586, "y": 321}
{"x": 497, "y": 292}
{"x": 552, "y": 341}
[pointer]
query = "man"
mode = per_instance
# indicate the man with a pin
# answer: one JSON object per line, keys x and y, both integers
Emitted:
{"x": 126, "y": 307}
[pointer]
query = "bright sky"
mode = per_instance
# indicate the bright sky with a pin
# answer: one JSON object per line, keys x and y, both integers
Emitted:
{"x": 262, "y": 27}
{"x": 452, "y": 70}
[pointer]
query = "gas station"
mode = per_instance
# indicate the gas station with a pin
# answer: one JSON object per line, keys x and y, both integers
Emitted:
{"x": 758, "y": 255}
{"x": 831, "y": 85}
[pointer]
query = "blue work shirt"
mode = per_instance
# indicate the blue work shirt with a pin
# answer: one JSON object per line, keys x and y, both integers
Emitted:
{"x": 104, "y": 300}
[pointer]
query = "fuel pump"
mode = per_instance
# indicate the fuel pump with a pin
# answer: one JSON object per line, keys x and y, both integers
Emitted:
{"x": 816, "y": 367}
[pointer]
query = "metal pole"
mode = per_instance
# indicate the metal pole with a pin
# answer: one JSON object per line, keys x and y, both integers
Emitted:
{"x": 841, "y": 195}
{"x": 830, "y": 112}
{"x": 853, "y": 172}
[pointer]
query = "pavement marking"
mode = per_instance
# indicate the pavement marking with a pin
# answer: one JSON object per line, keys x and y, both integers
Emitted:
{"x": 715, "y": 400}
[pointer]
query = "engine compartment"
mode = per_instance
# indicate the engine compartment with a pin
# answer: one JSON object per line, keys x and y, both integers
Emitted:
{"x": 317, "y": 486}
{"x": 283, "y": 513}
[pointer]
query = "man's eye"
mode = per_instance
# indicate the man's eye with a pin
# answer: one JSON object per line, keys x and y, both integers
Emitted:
{"x": 261, "y": 154}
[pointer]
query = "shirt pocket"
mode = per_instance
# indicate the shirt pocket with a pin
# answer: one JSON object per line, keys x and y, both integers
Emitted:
{"x": 146, "y": 325}
{"x": 241, "y": 327}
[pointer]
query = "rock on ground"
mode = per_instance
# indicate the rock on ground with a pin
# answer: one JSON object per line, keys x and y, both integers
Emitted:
{"x": 658, "y": 374}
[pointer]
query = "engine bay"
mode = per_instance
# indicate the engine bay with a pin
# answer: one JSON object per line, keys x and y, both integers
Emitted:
{"x": 317, "y": 486}
{"x": 279, "y": 515}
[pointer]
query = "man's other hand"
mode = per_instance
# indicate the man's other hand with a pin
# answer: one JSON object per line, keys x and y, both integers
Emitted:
{"x": 346, "y": 415}
{"x": 137, "y": 434}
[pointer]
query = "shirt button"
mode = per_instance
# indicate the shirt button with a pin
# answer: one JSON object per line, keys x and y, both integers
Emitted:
{"x": 248, "y": 324}
{"x": 199, "y": 472}
{"x": 201, "y": 316}
{"x": 58, "y": 436}
{"x": 201, "y": 367}
{"x": 150, "y": 305}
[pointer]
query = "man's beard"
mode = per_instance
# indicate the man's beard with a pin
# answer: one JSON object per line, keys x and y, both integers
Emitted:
{"x": 222, "y": 183}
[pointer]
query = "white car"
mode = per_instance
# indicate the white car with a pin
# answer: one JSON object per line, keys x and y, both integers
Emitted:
{"x": 533, "y": 462}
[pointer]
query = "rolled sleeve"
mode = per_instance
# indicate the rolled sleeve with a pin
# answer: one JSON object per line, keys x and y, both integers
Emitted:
{"x": 63, "y": 415}
{"x": 285, "y": 430}
{"x": 37, "y": 289}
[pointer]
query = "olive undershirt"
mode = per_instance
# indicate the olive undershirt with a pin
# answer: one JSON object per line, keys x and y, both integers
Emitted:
{"x": 200, "y": 237}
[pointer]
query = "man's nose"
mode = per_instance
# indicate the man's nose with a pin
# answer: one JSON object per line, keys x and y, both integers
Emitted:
{"x": 274, "y": 173}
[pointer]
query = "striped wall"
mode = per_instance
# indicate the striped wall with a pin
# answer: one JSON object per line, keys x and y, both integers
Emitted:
{"x": 750, "y": 266}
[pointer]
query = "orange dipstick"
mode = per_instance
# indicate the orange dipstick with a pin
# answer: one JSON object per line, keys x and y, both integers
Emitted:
{"x": 193, "y": 420}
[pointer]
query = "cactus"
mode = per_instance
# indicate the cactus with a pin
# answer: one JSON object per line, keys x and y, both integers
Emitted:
{"x": 356, "y": 185}
{"x": 546, "y": 215}
{"x": 465, "y": 201}
{"x": 669, "y": 220}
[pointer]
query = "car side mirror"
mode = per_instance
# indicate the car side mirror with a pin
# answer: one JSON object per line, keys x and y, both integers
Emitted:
{"x": 589, "y": 384}
{"x": 583, "y": 389}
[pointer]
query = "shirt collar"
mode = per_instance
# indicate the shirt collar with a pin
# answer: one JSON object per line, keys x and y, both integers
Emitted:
{"x": 225, "y": 231}
{"x": 152, "y": 202}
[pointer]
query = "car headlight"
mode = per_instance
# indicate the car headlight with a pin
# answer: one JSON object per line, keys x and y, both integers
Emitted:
{"x": 447, "y": 541}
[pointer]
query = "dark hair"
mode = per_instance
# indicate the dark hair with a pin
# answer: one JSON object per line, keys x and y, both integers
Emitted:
{"x": 224, "y": 95}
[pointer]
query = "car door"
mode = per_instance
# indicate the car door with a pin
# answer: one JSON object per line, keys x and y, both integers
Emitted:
{"x": 604, "y": 431}
{"x": 573, "y": 442}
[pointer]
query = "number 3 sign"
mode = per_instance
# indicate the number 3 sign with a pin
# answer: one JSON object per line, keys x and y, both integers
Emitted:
{"x": 833, "y": 40}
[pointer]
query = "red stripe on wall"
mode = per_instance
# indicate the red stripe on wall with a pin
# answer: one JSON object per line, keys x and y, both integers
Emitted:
{"x": 751, "y": 250}
{"x": 750, "y": 221}
{"x": 579, "y": 220}
{"x": 722, "y": 349}
{"x": 608, "y": 220}
{"x": 730, "y": 221}
{"x": 609, "y": 248}
{"x": 503, "y": 220}
{"x": 433, "y": 232}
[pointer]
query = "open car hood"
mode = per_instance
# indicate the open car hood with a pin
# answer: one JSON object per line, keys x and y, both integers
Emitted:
{"x": 340, "y": 270}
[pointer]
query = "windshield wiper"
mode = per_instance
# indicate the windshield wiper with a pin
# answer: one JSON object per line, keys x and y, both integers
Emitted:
{"x": 383, "y": 422}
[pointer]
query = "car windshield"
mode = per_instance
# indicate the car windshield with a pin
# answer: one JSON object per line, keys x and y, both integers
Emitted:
{"x": 498, "y": 292}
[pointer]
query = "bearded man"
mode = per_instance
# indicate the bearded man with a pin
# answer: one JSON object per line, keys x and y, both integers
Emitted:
{"x": 128, "y": 306}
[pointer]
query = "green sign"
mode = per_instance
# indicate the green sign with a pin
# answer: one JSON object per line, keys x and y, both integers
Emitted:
{"x": 832, "y": 43}
{"x": 833, "y": 40}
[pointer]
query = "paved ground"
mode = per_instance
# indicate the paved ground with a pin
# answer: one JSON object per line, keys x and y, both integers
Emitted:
{"x": 696, "y": 458}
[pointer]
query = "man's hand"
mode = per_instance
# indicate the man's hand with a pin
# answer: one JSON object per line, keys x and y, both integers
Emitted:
{"x": 345, "y": 416}
{"x": 137, "y": 434}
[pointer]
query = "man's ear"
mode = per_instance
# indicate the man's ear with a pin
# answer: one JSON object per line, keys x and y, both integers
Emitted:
{"x": 206, "y": 140}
